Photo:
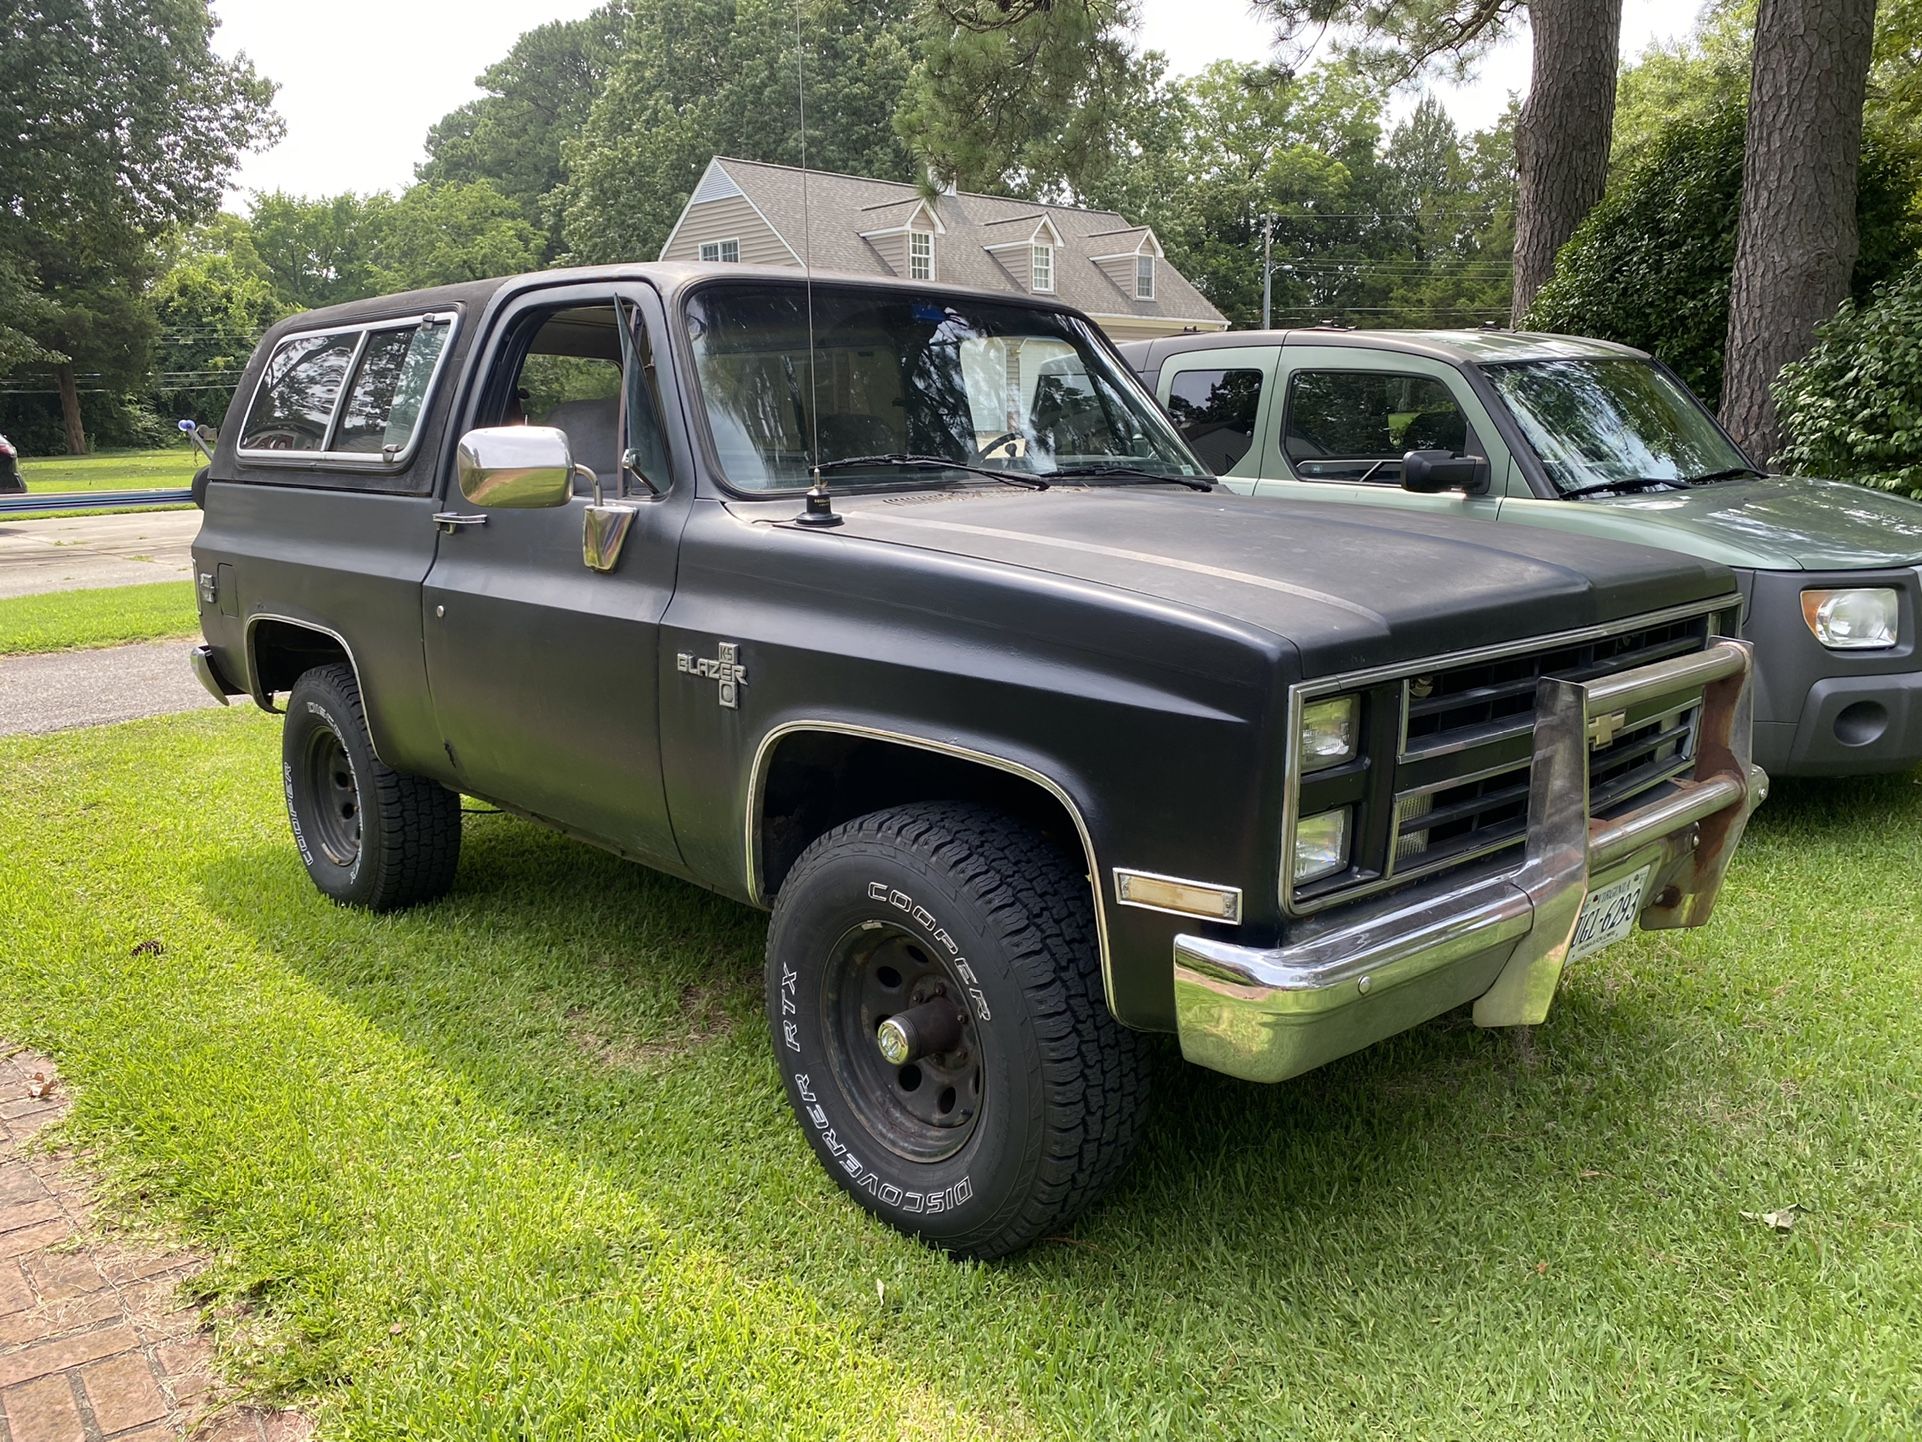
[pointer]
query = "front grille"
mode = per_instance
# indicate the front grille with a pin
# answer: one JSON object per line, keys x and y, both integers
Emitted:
{"x": 1447, "y": 786}
{"x": 1470, "y": 705}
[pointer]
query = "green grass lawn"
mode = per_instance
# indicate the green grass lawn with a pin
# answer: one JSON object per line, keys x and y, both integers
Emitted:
{"x": 518, "y": 1165}
{"x": 105, "y": 616}
{"x": 168, "y": 468}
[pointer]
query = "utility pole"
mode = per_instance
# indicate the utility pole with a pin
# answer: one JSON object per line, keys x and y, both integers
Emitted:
{"x": 1267, "y": 270}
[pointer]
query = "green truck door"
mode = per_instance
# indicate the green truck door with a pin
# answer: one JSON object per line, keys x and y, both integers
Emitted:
{"x": 1340, "y": 418}
{"x": 1219, "y": 399}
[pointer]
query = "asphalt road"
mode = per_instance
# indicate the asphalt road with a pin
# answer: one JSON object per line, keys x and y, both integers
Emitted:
{"x": 77, "y": 553}
{"x": 89, "y": 688}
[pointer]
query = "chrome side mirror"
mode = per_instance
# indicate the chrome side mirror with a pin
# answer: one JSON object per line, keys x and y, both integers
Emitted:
{"x": 517, "y": 468}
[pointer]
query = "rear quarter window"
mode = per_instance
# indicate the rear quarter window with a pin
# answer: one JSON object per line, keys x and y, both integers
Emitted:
{"x": 356, "y": 395}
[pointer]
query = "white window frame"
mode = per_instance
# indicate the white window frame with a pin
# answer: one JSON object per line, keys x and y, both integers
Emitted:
{"x": 719, "y": 251}
{"x": 1144, "y": 274}
{"x": 402, "y": 456}
{"x": 1040, "y": 260}
{"x": 920, "y": 255}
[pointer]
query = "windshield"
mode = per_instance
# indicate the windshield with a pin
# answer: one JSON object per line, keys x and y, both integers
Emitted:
{"x": 978, "y": 383}
{"x": 1593, "y": 422}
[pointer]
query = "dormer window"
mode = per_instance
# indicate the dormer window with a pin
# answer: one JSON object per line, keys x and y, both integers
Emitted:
{"x": 1144, "y": 277}
{"x": 1041, "y": 269}
{"x": 920, "y": 255}
{"x": 721, "y": 250}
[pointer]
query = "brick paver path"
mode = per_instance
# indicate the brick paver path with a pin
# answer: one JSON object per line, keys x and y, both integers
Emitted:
{"x": 95, "y": 1343}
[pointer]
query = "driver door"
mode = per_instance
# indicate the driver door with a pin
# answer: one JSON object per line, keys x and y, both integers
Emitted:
{"x": 544, "y": 671}
{"x": 1345, "y": 416}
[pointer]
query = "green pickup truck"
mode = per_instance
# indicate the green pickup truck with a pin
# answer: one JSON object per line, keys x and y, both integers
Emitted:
{"x": 1584, "y": 436}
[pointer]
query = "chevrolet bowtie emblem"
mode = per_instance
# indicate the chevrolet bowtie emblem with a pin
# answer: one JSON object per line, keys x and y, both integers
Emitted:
{"x": 1604, "y": 728}
{"x": 727, "y": 669}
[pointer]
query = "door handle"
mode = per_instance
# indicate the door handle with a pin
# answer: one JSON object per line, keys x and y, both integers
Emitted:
{"x": 451, "y": 521}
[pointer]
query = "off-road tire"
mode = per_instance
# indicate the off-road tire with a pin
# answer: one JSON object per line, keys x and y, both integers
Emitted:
{"x": 1061, "y": 1086}
{"x": 368, "y": 835}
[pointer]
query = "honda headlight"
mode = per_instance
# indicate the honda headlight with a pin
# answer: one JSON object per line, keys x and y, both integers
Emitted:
{"x": 1864, "y": 619}
{"x": 1321, "y": 845}
{"x": 1328, "y": 731}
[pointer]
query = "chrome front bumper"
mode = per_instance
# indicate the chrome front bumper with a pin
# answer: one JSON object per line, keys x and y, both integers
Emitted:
{"x": 1345, "y": 981}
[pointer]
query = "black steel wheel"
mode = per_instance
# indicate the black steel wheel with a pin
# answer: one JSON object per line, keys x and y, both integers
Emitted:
{"x": 335, "y": 821}
{"x": 924, "y": 1106}
{"x": 368, "y": 835}
{"x": 934, "y": 993}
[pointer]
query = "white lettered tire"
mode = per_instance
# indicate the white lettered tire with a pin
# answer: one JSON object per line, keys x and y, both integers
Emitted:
{"x": 979, "y": 937}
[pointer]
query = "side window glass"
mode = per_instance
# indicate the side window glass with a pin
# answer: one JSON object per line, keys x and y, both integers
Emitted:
{"x": 1215, "y": 412}
{"x": 1357, "y": 425}
{"x": 295, "y": 403}
{"x": 389, "y": 389}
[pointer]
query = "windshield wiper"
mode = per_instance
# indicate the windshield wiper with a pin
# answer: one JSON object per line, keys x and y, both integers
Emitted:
{"x": 1134, "y": 473}
{"x": 932, "y": 463}
{"x": 1725, "y": 475}
{"x": 1629, "y": 484}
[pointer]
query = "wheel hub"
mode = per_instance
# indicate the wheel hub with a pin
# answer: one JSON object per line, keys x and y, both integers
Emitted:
{"x": 335, "y": 825}
{"x": 905, "y": 1051}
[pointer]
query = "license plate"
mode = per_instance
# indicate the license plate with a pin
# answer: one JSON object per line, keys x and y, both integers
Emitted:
{"x": 1608, "y": 915}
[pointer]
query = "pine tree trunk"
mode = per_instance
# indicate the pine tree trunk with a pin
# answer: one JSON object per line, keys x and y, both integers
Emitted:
{"x": 1561, "y": 142}
{"x": 70, "y": 410}
{"x": 1796, "y": 242}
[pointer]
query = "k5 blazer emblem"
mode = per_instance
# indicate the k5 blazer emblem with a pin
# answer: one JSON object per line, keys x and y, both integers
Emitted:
{"x": 726, "y": 668}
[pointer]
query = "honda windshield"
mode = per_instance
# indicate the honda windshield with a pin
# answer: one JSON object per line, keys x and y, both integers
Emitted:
{"x": 1607, "y": 421}
{"x": 896, "y": 376}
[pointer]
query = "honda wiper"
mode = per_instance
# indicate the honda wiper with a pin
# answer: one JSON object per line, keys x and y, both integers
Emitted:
{"x": 1134, "y": 474}
{"x": 1725, "y": 475}
{"x": 1628, "y": 485}
{"x": 932, "y": 463}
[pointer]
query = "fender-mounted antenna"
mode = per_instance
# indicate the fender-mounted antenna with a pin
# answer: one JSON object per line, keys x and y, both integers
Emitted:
{"x": 818, "y": 510}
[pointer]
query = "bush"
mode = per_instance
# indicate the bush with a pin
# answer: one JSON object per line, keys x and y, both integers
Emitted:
{"x": 1852, "y": 407}
{"x": 1650, "y": 266}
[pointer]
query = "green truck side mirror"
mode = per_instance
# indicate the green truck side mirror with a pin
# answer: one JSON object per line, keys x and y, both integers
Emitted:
{"x": 1430, "y": 472}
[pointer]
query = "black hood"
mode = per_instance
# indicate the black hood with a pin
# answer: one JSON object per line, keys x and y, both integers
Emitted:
{"x": 1349, "y": 586}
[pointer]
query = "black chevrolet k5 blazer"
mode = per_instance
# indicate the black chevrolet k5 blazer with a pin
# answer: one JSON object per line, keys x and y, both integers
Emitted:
{"x": 902, "y": 611}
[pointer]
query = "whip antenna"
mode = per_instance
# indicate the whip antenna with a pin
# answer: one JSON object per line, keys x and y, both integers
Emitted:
{"x": 819, "y": 509}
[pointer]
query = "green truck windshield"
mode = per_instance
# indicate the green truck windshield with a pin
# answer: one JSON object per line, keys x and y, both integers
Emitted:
{"x": 1012, "y": 388}
{"x": 1593, "y": 422}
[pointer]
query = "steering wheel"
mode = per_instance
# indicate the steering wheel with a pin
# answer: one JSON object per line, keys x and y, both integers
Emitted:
{"x": 984, "y": 451}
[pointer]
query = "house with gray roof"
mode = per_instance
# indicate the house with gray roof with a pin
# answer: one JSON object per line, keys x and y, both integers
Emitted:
{"x": 1094, "y": 260}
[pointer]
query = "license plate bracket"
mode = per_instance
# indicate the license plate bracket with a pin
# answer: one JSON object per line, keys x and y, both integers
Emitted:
{"x": 1609, "y": 914}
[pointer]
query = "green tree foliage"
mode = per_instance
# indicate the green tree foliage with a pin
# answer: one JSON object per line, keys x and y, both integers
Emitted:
{"x": 1452, "y": 211}
{"x": 701, "y": 77}
{"x": 1688, "y": 81}
{"x": 1041, "y": 98}
{"x": 537, "y": 97}
{"x": 1413, "y": 232}
{"x": 1650, "y": 266}
{"x": 1895, "y": 79}
{"x": 117, "y": 121}
{"x": 211, "y": 304}
{"x": 316, "y": 252}
{"x": 437, "y": 234}
{"x": 1852, "y": 407}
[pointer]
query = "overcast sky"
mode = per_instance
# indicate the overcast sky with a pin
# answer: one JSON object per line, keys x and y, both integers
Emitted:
{"x": 359, "y": 91}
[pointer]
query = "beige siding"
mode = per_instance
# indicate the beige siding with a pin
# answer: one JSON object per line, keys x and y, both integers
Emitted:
{"x": 1015, "y": 258}
{"x": 894, "y": 250}
{"x": 1147, "y": 328}
{"x": 1121, "y": 270}
{"x": 730, "y": 218}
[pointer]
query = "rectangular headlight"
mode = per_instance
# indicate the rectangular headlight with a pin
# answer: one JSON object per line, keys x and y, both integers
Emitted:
{"x": 1321, "y": 845}
{"x": 1328, "y": 732}
{"x": 1863, "y": 619}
